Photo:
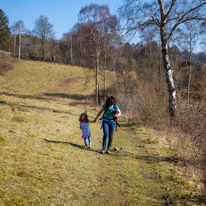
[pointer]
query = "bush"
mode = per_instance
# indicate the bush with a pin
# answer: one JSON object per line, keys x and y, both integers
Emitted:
{"x": 145, "y": 104}
{"x": 6, "y": 62}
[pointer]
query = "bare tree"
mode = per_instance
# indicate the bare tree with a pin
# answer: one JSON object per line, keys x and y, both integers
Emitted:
{"x": 53, "y": 44}
{"x": 20, "y": 27}
{"x": 167, "y": 16}
{"x": 99, "y": 22}
{"x": 43, "y": 30}
{"x": 14, "y": 31}
{"x": 187, "y": 39}
{"x": 69, "y": 37}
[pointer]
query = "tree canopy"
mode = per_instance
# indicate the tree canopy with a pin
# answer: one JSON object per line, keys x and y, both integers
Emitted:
{"x": 4, "y": 30}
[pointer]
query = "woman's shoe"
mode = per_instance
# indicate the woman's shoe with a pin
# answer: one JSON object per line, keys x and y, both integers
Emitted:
{"x": 103, "y": 150}
{"x": 108, "y": 150}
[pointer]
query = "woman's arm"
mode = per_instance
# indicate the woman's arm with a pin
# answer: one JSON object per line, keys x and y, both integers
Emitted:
{"x": 102, "y": 109}
{"x": 119, "y": 113}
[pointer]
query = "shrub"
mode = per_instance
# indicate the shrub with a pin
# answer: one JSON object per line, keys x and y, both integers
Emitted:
{"x": 6, "y": 63}
{"x": 145, "y": 104}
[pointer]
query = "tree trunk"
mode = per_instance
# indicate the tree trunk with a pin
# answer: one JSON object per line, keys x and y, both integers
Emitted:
{"x": 43, "y": 45}
{"x": 97, "y": 76}
{"x": 70, "y": 49}
{"x": 19, "y": 43}
{"x": 105, "y": 64}
{"x": 14, "y": 45}
{"x": 53, "y": 55}
{"x": 71, "y": 55}
{"x": 189, "y": 75}
{"x": 168, "y": 71}
{"x": 159, "y": 64}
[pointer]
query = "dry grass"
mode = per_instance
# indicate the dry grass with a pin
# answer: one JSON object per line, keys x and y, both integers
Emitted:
{"x": 42, "y": 157}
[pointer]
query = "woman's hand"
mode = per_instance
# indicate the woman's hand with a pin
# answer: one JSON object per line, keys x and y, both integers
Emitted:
{"x": 102, "y": 109}
{"x": 117, "y": 115}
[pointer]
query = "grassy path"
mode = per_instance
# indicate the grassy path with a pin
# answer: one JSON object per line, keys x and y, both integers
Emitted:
{"x": 44, "y": 162}
{"x": 42, "y": 156}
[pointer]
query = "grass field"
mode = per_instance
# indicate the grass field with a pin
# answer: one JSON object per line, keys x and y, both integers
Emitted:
{"x": 42, "y": 156}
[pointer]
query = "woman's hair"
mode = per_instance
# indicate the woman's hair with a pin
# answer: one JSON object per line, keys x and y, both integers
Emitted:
{"x": 110, "y": 100}
{"x": 86, "y": 118}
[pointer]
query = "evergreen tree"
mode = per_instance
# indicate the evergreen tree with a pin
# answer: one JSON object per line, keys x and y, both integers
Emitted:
{"x": 4, "y": 30}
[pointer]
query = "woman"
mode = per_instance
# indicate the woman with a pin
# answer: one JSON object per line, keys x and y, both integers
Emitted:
{"x": 108, "y": 121}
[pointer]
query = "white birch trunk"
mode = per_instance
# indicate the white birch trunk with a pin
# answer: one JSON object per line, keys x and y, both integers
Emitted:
{"x": 14, "y": 45}
{"x": 19, "y": 42}
{"x": 189, "y": 75}
{"x": 105, "y": 64}
{"x": 70, "y": 49}
{"x": 166, "y": 59}
{"x": 97, "y": 76}
{"x": 169, "y": 77}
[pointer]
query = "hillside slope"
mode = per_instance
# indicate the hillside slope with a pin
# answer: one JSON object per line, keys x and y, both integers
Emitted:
{"x": 42, "y": 156}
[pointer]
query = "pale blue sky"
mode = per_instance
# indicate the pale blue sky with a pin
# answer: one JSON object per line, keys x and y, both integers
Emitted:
{"x": 61, "y": 13}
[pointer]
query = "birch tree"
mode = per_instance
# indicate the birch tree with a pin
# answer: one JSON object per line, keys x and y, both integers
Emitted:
{"x": 187, "y": 39}
{"x": 98, "y": 21}
{"x": 20, "y": 28}
{"x": 69, "y": 37}
{"x": 167, "y": 15}
{"x": 14, "y": 31}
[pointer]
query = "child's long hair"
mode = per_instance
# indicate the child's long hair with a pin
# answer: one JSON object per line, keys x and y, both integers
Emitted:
{"x": 86, "y": 118}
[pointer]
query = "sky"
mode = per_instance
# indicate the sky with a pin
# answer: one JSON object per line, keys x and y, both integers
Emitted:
{"x": 61, "y": 13}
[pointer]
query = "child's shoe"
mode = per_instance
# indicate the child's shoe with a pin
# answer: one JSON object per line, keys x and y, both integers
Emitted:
{"x": 90, "y": 145}
{"x": 85, "y": 145}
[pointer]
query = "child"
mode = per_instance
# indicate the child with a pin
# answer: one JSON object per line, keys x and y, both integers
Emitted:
{"x": 84, "y": 126}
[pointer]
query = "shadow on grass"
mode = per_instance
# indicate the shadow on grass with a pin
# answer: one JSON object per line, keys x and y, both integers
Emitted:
{"x": 45, "y": 96}
{"x": 42, "y": 108}
{"x": 23, "y": 96}
{"x": 72, "y": 144}
{"x": 50, "y": 96}
{"x": 68, "y": 96}
{"x": 146, "y": 158}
